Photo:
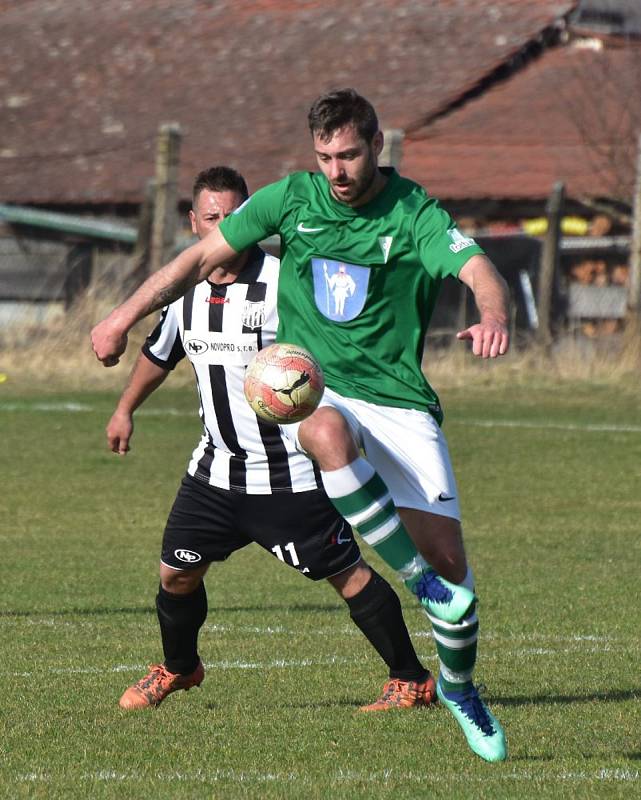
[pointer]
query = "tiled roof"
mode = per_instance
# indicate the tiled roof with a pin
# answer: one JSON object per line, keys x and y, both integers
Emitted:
{"x": 571, "y": 115}
{"x": 84, "y": 85}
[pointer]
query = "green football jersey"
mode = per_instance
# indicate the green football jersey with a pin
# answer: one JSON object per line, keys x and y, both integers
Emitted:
{"x": 357, "y": 286}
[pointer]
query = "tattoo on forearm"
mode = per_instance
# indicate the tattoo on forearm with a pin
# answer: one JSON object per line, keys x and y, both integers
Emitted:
{"x": 167, "y": 294}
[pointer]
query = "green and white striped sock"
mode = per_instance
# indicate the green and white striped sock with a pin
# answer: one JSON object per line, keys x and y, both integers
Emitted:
{"x": 456, "y": 645}
{"x": 359, "y": 494}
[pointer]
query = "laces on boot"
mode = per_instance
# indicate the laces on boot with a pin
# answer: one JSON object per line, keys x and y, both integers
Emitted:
{"x": 475, "y": 709}
{"x": 431, "y": 588}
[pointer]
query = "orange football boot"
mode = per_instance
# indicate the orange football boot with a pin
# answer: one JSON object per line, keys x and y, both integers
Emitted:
{"x": 405, "y": 694}
{"x": 151, "y": 690}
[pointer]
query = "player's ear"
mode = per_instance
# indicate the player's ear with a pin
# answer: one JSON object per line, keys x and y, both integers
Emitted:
{"x": 377, "y": 142}
{"x": 192, "y": 219}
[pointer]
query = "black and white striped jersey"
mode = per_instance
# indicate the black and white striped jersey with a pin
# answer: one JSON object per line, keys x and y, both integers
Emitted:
{"x": 219, "y": 329}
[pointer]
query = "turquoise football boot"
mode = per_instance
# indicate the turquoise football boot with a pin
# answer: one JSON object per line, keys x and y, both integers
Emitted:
{"x": 482, "y": 730}
{"x": 446, "y": 601}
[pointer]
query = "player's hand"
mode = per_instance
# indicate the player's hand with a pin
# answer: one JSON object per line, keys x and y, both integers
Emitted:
{"x": 108, "y": 342}
{"x": 119, "y": 431}
{"x": 490, "y": 338}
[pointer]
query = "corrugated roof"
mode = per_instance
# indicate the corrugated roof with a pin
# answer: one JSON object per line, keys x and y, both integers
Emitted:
{"x": 84, "y": 86}
{"x": 572, "y": 115}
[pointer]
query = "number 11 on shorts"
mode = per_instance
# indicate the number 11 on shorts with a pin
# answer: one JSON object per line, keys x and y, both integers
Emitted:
{"x": 277, "y": 550}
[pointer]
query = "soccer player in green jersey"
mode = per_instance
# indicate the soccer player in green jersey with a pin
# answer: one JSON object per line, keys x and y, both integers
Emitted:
{"x": 363, "y": 254}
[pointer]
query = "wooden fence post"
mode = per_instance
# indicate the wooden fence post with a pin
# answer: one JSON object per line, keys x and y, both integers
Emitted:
{"x": 392, "y": 151}
{"x": 633, "y": 315}
{"x": 549, "y": 263}
{"x": 163, "y": 232}
{"x": 142, "y": 248}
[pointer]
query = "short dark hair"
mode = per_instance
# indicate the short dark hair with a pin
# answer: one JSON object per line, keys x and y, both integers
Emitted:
{"x": 335, "y": 110}
{"x": 219, "y": 179}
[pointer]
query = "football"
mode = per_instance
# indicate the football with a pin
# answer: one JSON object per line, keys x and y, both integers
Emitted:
{"x": 283, "y": 383}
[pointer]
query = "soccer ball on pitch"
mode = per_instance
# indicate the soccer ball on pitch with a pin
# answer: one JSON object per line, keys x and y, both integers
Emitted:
{"x": 284, "y": 383}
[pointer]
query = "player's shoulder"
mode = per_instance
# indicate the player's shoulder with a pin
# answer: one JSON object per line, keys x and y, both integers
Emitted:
{"x": 292, "y": 181}
{"x": 301, "y": 177}
{"x": 302, "y": 183}
{"x": 293, "y": 190}
{"x": 411, "y": 193}
{"x": 416, "y": 205}
{"x": 298, "y": 190}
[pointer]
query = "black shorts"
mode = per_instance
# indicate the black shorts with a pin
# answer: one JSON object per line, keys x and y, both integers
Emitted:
{"x": 301, "y": 529}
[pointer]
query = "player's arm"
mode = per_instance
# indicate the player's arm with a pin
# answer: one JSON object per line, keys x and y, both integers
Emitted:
{"x": 109, "y": 337}
{"x": 144, "y": 379}
{"x": 490, "y": 337}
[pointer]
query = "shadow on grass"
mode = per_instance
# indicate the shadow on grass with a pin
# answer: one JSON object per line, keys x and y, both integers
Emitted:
{"x": 528, "y": 758}
{"x": 561, "y": 699}
{"x": 75, "y": 612}
{"x": 282, "y": 608}
{"x": 331, "y": 704}
{"x": 105, "y": 611}
{"x": 609, "y": 697}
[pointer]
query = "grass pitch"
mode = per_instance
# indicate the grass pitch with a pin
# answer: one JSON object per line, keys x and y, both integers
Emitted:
{"x": 549, "y": 478}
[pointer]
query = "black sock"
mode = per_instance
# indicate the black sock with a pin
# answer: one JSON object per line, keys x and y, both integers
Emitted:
{"x": 181, "y": 617}
{"x": 376, "y": 610}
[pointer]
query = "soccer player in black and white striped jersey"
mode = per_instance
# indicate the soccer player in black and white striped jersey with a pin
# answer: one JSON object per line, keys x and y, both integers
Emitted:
{"x": 244, "y": 475}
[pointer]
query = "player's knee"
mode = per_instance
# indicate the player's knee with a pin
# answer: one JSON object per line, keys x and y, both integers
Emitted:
{"x": 327, "y": 437}
{"x": 179, "y": 581}
{"x": 351, "y": 581}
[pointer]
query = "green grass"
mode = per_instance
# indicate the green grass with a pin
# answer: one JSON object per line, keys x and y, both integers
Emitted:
{"x": 551, "y": 505}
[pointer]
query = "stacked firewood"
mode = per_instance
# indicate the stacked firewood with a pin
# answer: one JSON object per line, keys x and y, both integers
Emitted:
{"x": 598, "y": 272}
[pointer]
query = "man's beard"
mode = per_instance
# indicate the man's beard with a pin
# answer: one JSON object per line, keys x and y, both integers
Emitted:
{"x": 360, "y": 189}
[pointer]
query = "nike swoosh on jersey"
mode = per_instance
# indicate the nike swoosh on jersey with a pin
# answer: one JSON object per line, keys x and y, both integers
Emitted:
{"x": 443, "y": 498}
{"x": 302, "y": 229}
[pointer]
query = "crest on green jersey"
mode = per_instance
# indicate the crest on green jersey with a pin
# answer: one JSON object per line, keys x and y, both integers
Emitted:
{"x": 340, "y": 289}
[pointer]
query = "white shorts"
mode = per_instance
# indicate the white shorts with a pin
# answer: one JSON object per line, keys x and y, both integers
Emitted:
{"x": 407, "y": 449}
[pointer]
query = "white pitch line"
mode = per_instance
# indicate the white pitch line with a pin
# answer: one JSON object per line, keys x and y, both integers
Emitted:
{"x": 345, "y": 776}
{"x": 556, "y": 426}
{"x": 349, "y": 630}
{"x": 268, "y": 631}
{"x": 502, "y": 654}
{"x": 555, "y": 651}
{"x": 65, "y": 407}
{"x": 46, "y": 407}
{"x": 73, "y": 407}
{"x": 323, "y": 631}
{"x": 212, "y": 665}
{"x": 540, "y": 637}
